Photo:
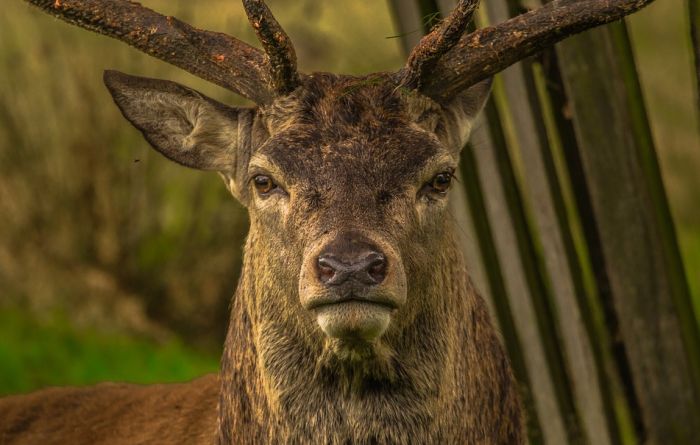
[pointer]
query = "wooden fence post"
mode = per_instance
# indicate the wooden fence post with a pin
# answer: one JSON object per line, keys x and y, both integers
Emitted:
{"x": 694, "y": 15}
{"x": 631, "y": 235}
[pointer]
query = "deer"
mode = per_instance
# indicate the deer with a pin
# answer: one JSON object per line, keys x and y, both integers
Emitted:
{"x": 354, "y": 320}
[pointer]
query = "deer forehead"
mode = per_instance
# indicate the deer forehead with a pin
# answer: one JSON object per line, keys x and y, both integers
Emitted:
{"x": 354, "y": 129}
{"x": 342, "y": 103}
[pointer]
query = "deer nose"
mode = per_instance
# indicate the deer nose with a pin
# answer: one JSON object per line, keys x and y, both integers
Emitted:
{"x": 369, "y": 268}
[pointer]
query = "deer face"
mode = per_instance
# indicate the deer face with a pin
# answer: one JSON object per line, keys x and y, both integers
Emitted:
{"x": 349, "y": 176}
{"x": 346, "y": 181}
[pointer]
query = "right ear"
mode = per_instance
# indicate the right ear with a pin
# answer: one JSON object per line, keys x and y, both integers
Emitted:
{"x": 184, "y": 125}
{"x": 461, "y": 112}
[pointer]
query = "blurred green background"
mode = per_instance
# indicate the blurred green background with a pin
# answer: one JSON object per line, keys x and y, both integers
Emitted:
{"x": 116, "y": 264}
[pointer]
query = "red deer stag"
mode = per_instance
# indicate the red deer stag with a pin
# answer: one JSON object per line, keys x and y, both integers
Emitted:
{"x": 354, "y": 320}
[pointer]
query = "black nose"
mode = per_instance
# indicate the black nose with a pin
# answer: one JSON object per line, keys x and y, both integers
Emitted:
{"x": 351, "y": 258}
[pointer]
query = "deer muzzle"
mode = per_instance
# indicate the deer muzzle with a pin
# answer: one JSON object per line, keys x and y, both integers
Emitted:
{"x": 352, "y": 285}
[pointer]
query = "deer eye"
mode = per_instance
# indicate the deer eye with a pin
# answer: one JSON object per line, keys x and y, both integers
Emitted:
{"x": 441, "y": 182}
{"x": 264, "y": 184}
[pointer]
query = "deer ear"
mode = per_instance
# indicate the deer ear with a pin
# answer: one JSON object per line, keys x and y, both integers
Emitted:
{"x": 461, "y": 112}
{"x": 182, "y": 124}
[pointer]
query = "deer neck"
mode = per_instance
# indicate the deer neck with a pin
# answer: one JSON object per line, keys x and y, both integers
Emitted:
{"x": 279, "y": 386}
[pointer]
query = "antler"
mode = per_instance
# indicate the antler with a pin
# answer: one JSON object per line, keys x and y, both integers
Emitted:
{"x": 434, "y": 45}
{"x": 487, "y": 51}
{"x": 216, "y": 57}
{"x": 278, "y": 46}
{"x": 444, "y": 63}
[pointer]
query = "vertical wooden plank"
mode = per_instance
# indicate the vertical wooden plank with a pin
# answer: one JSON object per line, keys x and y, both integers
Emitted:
{"x": 493, "y": 161}
{"x": 631, "y": 233}
{"x": 618, "y": 408}
{"x": 541, "y": 189}
{"x": 471, "y": 184}
{"x": 694, "y": 14}
{"x": 581, "y": 390}
{"x": 445, "y": 6}
{"x": 408, "y": 21}
{"x": 571, "y": 353}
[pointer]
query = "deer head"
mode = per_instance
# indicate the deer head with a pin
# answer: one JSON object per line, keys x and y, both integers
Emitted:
{"x": 345, "y": 179}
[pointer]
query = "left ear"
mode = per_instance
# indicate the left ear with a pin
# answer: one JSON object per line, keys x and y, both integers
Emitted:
{"x": 182, "y": 124}
{"x": 459, "y": 114}
{"x": 185, "y": 126}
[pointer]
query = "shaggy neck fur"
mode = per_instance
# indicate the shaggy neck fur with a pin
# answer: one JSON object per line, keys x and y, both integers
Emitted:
{"x": 442, "y": 379}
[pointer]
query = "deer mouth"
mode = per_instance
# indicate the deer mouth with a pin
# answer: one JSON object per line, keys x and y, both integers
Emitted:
{"x": 326, "y": 301}
{"x": 353, "y": 317}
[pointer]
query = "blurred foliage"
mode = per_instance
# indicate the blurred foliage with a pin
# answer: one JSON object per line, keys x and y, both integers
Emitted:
{"x": 96, "y": 226}
{"x": 52, "y": 352}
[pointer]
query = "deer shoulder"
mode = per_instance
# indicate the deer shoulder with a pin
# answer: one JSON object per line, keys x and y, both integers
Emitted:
{"x": 112, "y": 413}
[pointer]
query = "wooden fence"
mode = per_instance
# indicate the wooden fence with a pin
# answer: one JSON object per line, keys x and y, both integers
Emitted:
{"x": 568, "y": 234}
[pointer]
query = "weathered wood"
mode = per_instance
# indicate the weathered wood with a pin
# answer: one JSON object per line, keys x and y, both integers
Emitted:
{"x": 564, "y": 151}
{"x": 408, "y": 22}
{"x": 505, "y": 218}
{"x": 694, "y": 14}
{"x": 632, "y": 236}
{"x": 580, "y": 389}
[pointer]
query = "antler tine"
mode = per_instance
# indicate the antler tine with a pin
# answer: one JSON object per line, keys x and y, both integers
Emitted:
{"x": 487, "y": 51}
{"x": 434, "y": 45}
{"x": 215, "y": 57}
{"x": 277, "y": 45}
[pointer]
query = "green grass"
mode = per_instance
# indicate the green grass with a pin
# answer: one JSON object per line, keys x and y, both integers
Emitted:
{"x": 35, "y": 354}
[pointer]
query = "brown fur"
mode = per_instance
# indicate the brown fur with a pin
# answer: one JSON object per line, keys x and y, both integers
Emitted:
{"x": 353, "y": 155}
{"x": 349, "y": 154}
{"x": 111, "y": 413}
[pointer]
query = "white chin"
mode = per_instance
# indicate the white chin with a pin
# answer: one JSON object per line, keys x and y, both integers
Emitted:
{"x": 354, "y": 320}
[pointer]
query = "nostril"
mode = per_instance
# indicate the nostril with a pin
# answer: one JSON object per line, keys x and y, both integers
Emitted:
{"x": 326, "y": 271}
{"x": 352, "y": 265}
{"x": 376, "y": 268}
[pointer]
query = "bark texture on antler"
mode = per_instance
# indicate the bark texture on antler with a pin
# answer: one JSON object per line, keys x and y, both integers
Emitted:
{"x": 434, "y": 45}
{"x": 487, "y": 51}
{"x": 444, "y": 63}
{"x": 277, "y": 45}
{"x": 213, "y": 56}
